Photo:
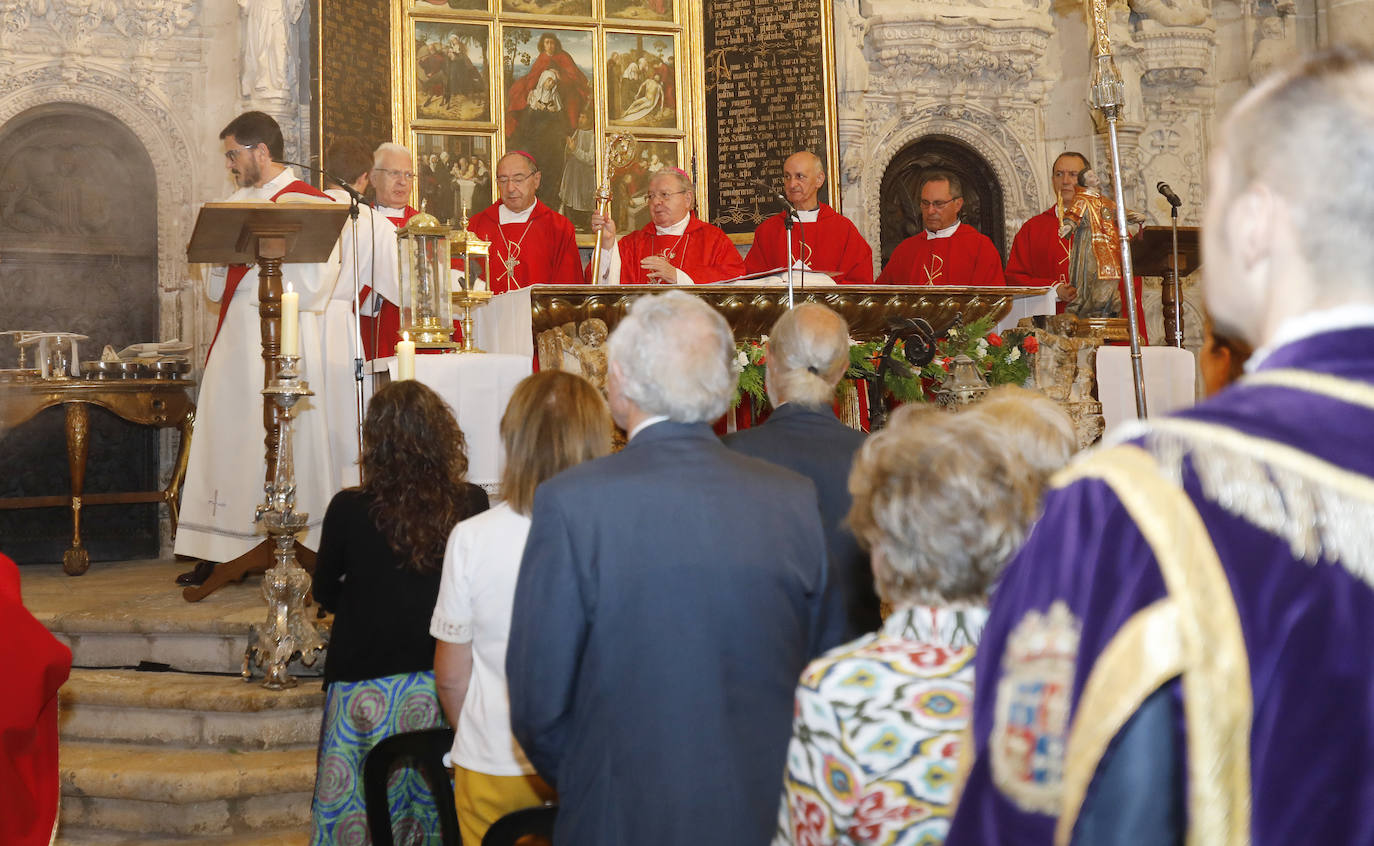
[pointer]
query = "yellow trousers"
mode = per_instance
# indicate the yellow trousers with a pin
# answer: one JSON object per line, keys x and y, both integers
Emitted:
{"x": 483, "y": 799}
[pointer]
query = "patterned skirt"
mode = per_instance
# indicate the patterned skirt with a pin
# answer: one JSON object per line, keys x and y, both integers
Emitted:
{"x": 357, "y": 715}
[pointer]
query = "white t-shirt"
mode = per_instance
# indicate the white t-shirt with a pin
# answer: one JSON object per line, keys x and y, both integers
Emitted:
{"x": 476, "y": 595}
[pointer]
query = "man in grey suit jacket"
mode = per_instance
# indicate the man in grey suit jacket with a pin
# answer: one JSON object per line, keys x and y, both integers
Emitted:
{"x": 669, "y": 597}
{"x": 808, "y": 354}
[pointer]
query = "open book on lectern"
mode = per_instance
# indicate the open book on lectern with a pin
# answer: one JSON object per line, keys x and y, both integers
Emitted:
{"x": 778, "y": 276}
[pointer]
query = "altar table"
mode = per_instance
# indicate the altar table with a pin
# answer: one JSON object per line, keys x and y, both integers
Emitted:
{"x": 149, "y": 402}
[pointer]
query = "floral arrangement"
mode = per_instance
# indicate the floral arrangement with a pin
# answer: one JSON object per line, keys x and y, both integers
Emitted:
{"x": 1003, "y": 358}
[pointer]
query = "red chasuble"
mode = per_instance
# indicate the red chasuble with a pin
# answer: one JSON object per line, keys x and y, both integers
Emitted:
{"x": 831, "y": 243}
{"x": 1040, "y": 257}
{"x": 237, "y": 271}
{"x": 35, "y": 666}
{"x": 965, "y": 258}
{"x": 543, "y": 249}
{"x": 385, "y": 328}
{"x": 704, "y": 252}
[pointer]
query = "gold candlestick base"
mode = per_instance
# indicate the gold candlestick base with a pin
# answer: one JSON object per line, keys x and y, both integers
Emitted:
{"x": 467, "y": 301}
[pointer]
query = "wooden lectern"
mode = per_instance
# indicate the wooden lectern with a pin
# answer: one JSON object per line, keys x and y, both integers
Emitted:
{"x": 268, "y": 234}
{"x": 1152, "y": 254}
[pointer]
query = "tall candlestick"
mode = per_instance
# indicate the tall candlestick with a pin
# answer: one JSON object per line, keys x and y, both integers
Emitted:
{"x": 405, "y": 358}
{"x": 290, "y": 323}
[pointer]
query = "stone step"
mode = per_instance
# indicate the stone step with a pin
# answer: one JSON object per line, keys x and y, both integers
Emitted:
{"x": 116, "y": 787}
{"x": 183, "y": 709}
{"x": 123, "y": 615}
{"x": 93, "y": 837}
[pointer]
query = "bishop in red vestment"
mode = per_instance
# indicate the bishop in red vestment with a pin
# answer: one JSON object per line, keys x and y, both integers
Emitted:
{"x": 675, "y": 248}
{"x": 530, "y": 242}
{"x": 947, "y": 252}
{"x": 822, "y": 239}
{"x": 392, "y": 176}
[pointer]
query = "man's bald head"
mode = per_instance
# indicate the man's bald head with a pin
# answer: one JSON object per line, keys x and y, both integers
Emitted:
{"x": 1274, "y": 242}
{"x": 803, "y": 174}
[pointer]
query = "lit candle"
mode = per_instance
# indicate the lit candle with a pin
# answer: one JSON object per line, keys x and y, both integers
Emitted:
{"x": 290, "y": 323}
{"x": 405, "y": 358}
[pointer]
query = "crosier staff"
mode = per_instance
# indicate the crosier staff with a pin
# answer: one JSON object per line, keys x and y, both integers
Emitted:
{"x": 620, "y": 151}
{"x": 1107, "y": 94}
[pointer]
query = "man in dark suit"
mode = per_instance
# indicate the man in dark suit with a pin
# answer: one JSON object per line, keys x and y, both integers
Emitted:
{"x": 808, "y": 354}
{"x": 669, "y": 597}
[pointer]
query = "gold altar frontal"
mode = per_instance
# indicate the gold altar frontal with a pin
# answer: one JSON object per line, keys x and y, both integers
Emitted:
{"x": 753, "y": 309}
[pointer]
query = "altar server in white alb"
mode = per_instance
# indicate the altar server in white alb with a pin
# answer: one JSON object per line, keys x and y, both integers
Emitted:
{"x": 367, "y": 249}
{"x": 224, "y": 480}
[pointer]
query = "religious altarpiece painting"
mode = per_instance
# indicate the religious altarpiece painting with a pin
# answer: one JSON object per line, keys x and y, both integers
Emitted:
{"x": 721, "y": 89}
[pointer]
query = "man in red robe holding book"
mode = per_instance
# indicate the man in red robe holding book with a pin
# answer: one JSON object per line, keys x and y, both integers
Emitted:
{"x": 947, "y": 252}
{"x": 530, "y": 242}
{"x": 822, "y": 239}
{"x": 674, "y": 248}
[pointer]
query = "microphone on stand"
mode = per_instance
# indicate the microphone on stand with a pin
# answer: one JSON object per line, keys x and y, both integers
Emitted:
{"x": 1163, "y": 188}
{"x": 327, "y": 175}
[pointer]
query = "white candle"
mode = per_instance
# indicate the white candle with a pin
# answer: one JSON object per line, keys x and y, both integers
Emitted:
{"x": 405, "y": 358}
{"x": 290, "y": 323}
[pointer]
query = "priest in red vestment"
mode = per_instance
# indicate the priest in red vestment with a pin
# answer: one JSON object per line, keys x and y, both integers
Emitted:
{"x": 1039, "y": 256}
{"x": 947, "y": 252}
{"x": 822, "y": 239}
{"x": 35, "y": 665}
{"x": 674, "y": 248}
{"x": 392, "y": 176}
{"x": 530, "y": 242}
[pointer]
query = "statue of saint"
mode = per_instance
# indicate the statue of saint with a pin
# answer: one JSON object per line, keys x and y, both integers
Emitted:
{"x": 1095, "y": 259}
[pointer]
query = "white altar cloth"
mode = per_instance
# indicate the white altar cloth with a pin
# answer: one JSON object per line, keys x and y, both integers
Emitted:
{"x": 477, "y": 388}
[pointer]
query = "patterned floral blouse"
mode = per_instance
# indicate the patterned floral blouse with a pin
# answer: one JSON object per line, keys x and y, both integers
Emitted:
{"x": 875, "y": 741}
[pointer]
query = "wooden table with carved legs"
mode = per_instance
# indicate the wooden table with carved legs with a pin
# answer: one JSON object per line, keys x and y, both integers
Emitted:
{"x": 162, "y": 403}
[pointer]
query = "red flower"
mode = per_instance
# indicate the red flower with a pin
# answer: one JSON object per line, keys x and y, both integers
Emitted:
{"x": 1030, "y": 345}
{"x": 994, "y": 339}
{"x": 946, "y": 362}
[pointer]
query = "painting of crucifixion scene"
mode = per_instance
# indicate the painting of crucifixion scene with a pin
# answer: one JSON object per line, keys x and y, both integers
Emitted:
{"x": 641, "y": 79}
{"x": 547, "y": 75}
{"x": 452, "y": 76}
{"x": 630, "y": 185}
{"x": 454, "y": 174}
{"x": 640, "y": 10}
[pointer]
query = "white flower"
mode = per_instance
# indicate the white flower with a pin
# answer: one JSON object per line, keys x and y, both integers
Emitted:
{"x": 741, "y": 361}
{"x": 763, "y": 340}
{"x": 982, "y": 347}
{"x": 1015, "y": 354}
{"x": 953, "y": 333}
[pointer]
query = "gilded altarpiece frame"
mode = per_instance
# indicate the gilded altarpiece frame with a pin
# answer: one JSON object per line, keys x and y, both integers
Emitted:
{"x": 669, "y": 115}
{"x": 547, "y": 70}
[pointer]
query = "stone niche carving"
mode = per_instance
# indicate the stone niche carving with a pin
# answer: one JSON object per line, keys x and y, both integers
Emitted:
{"x": 78, "y": 231}
{"x": 974, "y": 74}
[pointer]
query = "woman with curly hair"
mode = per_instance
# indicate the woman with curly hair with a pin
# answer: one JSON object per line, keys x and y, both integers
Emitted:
{"x": 381, "y": 556}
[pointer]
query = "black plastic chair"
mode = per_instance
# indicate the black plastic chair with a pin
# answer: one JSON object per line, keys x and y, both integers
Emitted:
{"x": 425, "y": 751}
{"x": 537, "y": 821}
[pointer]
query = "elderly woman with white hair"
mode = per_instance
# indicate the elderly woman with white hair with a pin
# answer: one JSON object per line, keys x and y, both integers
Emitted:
{"x": 674, "y": 248}
{"x": 942, "y": 501}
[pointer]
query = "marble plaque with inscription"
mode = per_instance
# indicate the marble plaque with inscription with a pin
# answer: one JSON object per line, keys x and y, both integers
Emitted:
{"x": 766, "y": 98}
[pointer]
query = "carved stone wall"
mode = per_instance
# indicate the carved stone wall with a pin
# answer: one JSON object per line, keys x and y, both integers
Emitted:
{"x": 977, "y": 73}
{"x": 173, "y": 73}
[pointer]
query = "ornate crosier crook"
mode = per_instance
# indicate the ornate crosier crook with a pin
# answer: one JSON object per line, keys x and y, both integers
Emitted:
{"x": 1107, "y": 94}
{"x": 620, "y": 151}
